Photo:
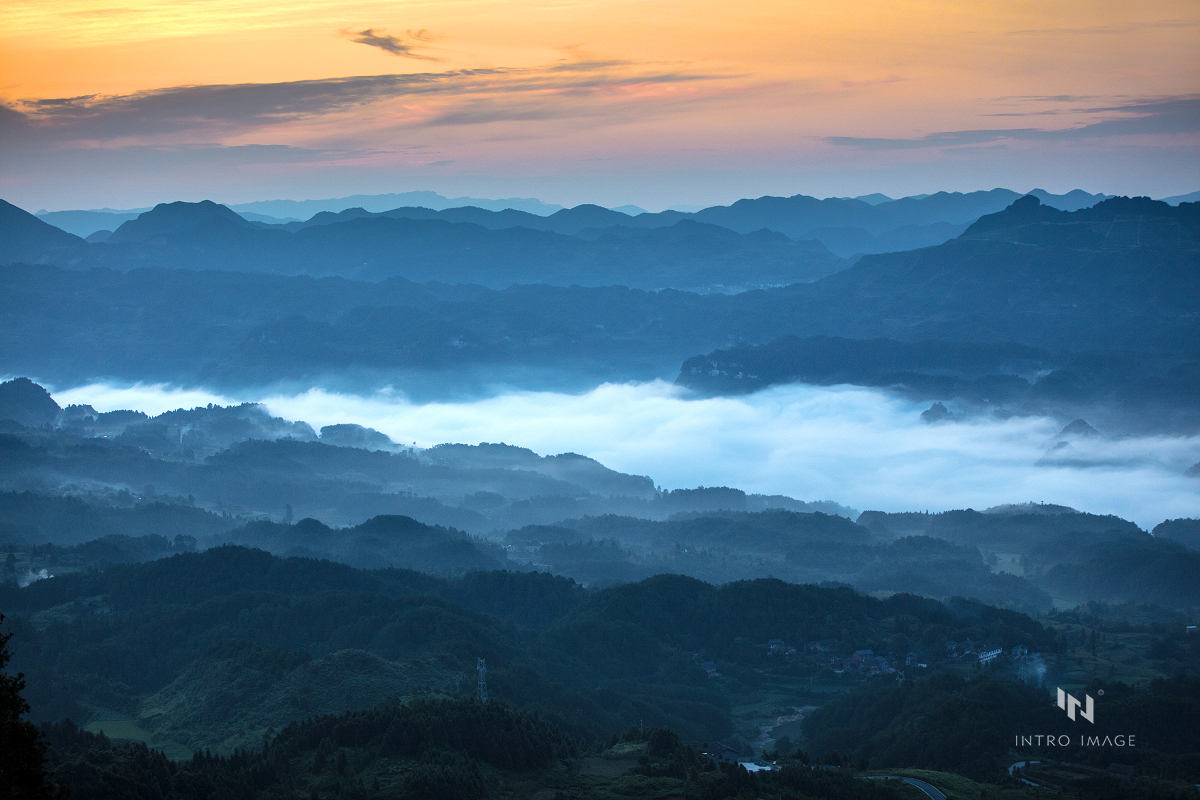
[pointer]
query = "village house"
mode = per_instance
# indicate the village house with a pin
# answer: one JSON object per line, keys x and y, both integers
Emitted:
{"x": 720, "y": 752}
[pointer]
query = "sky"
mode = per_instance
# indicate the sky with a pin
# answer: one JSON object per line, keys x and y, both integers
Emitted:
{"x": 860, "y": 447}
{"x": 125, "y": 103}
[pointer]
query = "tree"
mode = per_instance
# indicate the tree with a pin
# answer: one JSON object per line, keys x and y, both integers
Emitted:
{"x": 22, "y": 752}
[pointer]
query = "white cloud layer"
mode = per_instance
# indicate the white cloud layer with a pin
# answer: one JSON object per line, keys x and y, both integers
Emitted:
{"x": 859, "y": 447}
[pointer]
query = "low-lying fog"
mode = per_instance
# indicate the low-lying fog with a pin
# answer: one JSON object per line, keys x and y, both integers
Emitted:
{"x": 863, "y": 448}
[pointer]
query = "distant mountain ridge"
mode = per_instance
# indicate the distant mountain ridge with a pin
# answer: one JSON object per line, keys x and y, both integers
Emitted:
{"x": 382, "y": 202}
{"x": 85, "y": 222}
{"x": 847, "y": 226}
{"x": 207, "y": 235}
{"x": 567, "y": 221}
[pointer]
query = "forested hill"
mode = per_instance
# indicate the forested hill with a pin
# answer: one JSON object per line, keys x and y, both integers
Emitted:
{"x": 829, "y": 360}
{"x": 1125, "y": 273}
{"x": 587, "y": 659}
{"x": 298, "y": 672}
{"x": 1146, "y": 389}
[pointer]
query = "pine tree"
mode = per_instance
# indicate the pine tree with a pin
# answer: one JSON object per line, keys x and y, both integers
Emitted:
{"x": 22, "y": 752}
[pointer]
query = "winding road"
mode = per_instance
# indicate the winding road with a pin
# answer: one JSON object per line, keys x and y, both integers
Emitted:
{"x": 1021, "y": 765}
{"x": 929, "y": 789}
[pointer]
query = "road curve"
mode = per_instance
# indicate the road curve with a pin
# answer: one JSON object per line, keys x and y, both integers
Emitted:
{"x": 929, "y": 789}
{"x": 1021, "y": 765}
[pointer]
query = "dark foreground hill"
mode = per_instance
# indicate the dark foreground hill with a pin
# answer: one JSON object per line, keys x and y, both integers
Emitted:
{"x": 295, "y": 677}
{"x": 144, "y": 642}
{"x": 441, "y": 750}
{"x": 970, "y": 727}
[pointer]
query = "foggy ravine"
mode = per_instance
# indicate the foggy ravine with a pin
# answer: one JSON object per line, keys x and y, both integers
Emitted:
{"x": 863, "y": 448}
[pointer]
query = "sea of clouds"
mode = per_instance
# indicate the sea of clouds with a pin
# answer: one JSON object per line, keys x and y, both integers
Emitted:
{"x": 860, "y": 447}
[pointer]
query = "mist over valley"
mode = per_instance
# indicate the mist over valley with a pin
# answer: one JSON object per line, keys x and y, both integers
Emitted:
{"x": 866, "y": 448}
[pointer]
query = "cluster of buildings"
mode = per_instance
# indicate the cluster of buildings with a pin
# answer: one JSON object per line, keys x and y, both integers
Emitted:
{"x": 865, "y": 662}
{"x": 966, "y": 650}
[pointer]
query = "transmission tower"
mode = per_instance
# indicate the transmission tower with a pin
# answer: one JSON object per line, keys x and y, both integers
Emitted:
{"x": 482, "y": 681}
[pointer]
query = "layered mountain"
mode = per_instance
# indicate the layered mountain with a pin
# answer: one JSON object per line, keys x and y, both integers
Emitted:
{"x": 567, "y": 221}
{"x": 88, "y": 223}
{"x": 206, "y": 235}
{"x": 88, "y": 493}
{"x": 1124, "y": 275}
{"x": 381, "y": 202}
{"x": 846, "y": 226}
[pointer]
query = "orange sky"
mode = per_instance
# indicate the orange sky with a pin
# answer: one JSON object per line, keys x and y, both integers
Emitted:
{"x": 112, "y": 102}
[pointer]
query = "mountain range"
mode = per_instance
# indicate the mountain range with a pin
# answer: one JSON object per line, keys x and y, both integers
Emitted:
{"x": 847, "y": 226}
{"x": 1121, "y": 275}
{"x": 206, "y": 235}
{"x": 84, "y": 223}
